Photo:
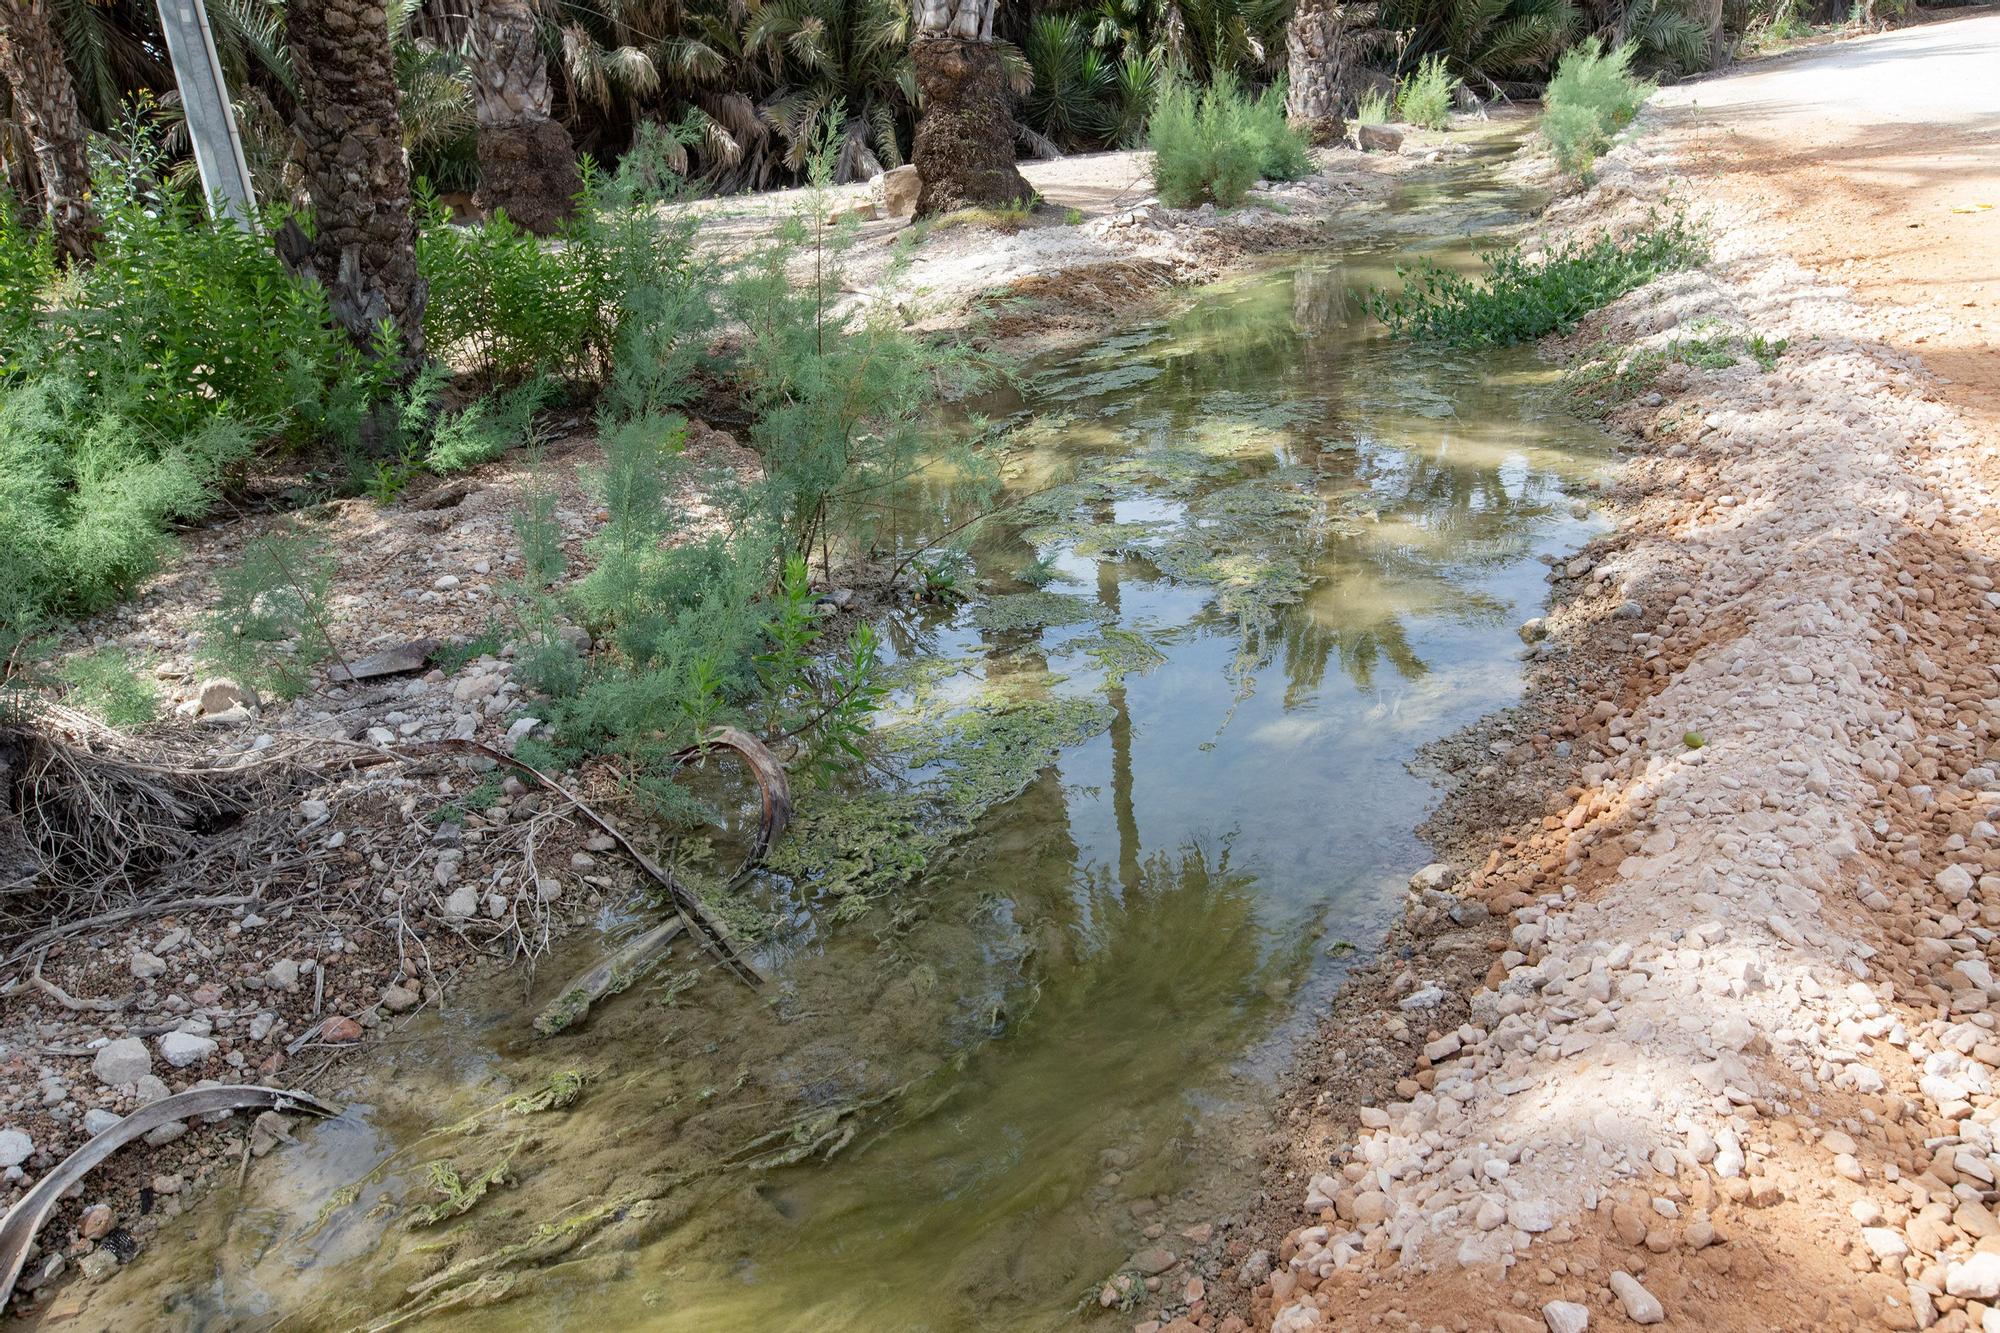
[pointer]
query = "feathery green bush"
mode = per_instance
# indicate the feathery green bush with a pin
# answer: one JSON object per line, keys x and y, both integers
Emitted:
{"x": 1214, "y": 143}
{"x": 1424, "y": 97}
{"x": 1593, "y": 96}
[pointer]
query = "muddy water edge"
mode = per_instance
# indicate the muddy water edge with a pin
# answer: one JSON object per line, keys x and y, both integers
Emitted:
{"x": 1141, "y": 805}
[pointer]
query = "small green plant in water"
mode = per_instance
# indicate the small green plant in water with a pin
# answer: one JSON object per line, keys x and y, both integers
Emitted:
{"x": 938, "y": 581}
{"x": 1518, "y": 299}
{"x": 1424, "y": 98}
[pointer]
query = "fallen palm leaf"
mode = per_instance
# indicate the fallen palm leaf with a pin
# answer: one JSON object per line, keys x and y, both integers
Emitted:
{"x": 24, "y": 1220}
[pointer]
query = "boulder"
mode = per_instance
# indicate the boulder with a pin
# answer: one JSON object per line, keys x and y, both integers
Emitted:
{"x": 1378, "y": 138}
{"x": 897, "y": 192}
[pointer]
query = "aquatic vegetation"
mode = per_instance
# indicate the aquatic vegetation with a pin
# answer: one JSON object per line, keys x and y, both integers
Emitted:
{"x": 1035, "y": 610}
{"x": 460, "y": 1196}
{"x": 1119, "y": 653}
{"x": 559, "y": 1090}
{"x": 856, "y": 847}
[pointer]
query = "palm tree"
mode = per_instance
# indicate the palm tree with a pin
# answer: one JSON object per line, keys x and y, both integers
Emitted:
{"x": 527, "y": 164}
{"x": 31, "y": 60}
{"x": 351, "y": 144}
{"x": 964, "y": 149}
{"x": 1323, "y": 61}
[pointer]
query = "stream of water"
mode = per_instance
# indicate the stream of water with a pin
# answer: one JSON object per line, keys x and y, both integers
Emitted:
{"x": 1274, "y": 554}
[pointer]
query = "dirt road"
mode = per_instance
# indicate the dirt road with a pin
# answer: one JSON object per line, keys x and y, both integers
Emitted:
{"x": 1879, "y": 162}
{"x": 1697, "y": 1025}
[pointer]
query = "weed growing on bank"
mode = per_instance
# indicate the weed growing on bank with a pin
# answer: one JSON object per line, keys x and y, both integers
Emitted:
{"x": 1518, "y": 299}
{"x": 1608, "y": 377}
{"x": 700, "y": 619}
{"x": 105, "y": 682}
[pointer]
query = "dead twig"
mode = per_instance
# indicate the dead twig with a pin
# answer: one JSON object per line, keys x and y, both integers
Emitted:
{"x": 68, "y": 1001}
{"x": 42, "y": 939}
{"x": 777, "y": 810}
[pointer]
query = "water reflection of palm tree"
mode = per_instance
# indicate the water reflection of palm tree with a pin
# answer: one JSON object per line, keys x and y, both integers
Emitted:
{"x": 1123, "y": 810}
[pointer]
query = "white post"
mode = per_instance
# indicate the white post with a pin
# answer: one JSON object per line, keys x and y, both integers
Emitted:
{"x": 211, "y": 120}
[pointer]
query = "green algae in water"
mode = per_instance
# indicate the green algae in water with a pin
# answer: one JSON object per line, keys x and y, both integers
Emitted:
{"x": 858, "y": 847}
{"x": 1118, "y": 653}
{"x": 1035, "y": 610}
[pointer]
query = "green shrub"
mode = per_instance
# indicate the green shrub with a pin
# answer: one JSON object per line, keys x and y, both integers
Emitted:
{"x": 179, "y": 319}
{"x": 269, "y": 627}
{"x": 86, "y": 493}
{"x": 105, "y": 682}
{"x": 1518, "y": 300}
{"x": 505, "y": 306}
{"x": 1593, "y": 96}
{"x": 1424, "y": 98}
{"x": 488, "y": 428}
{"x": 840, "y": 394}
{"x": 27, "y": 267}
{"x": 618, "y": 295}
{"x": 1213, "y": 144}
{"x": 132, "y": 384}
{"x": 1373, "y": 108}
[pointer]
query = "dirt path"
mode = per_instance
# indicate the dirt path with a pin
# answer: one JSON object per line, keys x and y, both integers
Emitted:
{"x": 1878, "y": 163}
{"x": 1701, "y": 1030}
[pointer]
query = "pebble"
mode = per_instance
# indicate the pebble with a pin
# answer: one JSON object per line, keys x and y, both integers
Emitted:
{"x": 1641, "y": 1307}
{"x": 184, "y": 1050}
{"x": 96, "y": 1120}
{"x": 340, "y": 1030}
{"x": 97, "y": 1221}
{"x": 1977, "y": 1278}
{"x": 15, "y": 1147}
{"x": 146, "y": 966}
{"x": 1566, "y": 1317}
{"x": 120, "y": 1062}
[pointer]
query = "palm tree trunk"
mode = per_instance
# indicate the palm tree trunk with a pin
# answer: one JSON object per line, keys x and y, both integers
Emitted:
{"x": 364, "y": 246}
{"x": 1319, "y": 66}
{"x": 31, "y": 59}
{"x": 964, "y": 151}
{"x": 527, "y": 164}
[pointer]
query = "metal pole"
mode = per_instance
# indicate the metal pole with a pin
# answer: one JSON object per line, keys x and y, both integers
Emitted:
{"x": 211, "y": 120}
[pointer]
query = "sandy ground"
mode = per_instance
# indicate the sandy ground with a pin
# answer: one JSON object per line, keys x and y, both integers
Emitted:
{"x": 1702, "y": 1032}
